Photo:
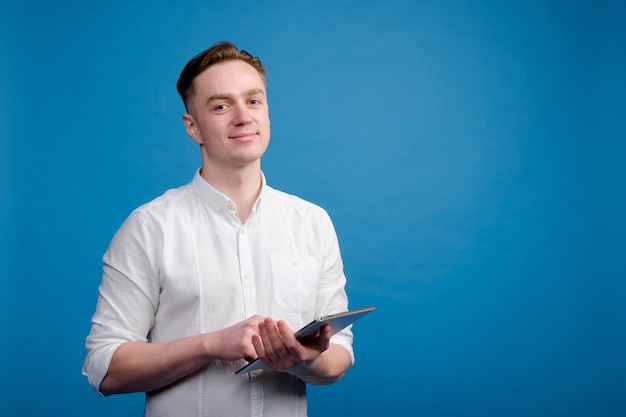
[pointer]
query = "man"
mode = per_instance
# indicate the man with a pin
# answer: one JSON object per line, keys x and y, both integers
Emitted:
{"x": 220, "y": 271}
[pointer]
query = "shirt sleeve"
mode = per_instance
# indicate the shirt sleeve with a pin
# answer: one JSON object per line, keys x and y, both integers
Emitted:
{"x": 127, "y": 296}
{"x": 332, "y": 296}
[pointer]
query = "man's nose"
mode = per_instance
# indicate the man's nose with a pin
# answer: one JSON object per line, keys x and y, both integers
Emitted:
{"x": 242, "y": 116}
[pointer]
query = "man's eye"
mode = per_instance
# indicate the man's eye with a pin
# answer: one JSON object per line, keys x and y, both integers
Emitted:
{"x": 254, "y": 101}
{"x": 220, "y": 107}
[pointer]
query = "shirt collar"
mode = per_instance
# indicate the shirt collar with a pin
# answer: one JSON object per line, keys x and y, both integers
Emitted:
{"x": 219, "y": 201}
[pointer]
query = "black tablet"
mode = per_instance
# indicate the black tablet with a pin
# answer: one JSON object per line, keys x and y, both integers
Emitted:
{"x": 337, "y": 323}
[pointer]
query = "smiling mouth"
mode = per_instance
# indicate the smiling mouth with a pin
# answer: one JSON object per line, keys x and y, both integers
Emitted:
{"x": 243, "y": 136}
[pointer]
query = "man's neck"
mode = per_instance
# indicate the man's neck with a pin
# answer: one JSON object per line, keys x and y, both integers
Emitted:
{"x": 242, "y": 186}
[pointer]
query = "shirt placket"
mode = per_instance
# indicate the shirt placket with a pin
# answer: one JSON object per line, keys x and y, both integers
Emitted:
{"x": 248, "y": 279}
{"x": 248, "y": 282}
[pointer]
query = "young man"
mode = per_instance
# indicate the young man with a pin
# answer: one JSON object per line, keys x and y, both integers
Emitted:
{"x": 220, "y": 271}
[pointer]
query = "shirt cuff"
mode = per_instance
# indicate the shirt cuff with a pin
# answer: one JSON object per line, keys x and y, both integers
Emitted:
{"x": 96, "y": 365}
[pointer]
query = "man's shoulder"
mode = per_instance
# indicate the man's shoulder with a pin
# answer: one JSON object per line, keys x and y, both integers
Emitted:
{"x": 294, "y": 202}
{"x": 171, "y": 199}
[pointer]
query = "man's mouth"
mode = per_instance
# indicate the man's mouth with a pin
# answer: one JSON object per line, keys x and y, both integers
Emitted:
{"x": 243, "y": 136}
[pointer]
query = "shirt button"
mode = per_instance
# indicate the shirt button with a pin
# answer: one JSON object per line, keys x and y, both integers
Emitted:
{"x": 243, "y": 231}
{"x": 247, "y": 275}
{"x": 294, "y": 263}
{"x": 229, "y": 206}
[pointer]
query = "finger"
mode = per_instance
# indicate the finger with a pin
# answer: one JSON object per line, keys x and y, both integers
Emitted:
{"x": 265, "y": 348}
{"x": 325, "y": 336}
{"x": 325, "y": 332}
{"x": 289, "y": 338}
{"x": 275, "y": 347}
{"x": 257, "y": 343}
{"x": 274, "y": 339}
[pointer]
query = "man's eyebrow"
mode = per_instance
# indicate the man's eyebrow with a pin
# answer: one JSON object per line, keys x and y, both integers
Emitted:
{"x": 219, "y": 97}
{"x": 255, "y": 91}
{"x": 226, "y": 96}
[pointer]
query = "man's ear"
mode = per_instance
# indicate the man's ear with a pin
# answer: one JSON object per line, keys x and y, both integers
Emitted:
{"x": 191, "y": 128}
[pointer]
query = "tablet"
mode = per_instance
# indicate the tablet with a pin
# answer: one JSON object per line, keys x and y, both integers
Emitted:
{"x": 337, "y": 323}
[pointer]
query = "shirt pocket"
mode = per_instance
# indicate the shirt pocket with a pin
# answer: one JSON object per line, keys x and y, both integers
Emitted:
{"x": 295, "y": 282}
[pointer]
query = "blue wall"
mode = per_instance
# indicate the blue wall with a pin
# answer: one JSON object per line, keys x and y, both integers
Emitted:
{"x": 471, "y": 154}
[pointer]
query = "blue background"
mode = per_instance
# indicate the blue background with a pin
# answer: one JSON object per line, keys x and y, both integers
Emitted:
{"x": 470, "y": 153}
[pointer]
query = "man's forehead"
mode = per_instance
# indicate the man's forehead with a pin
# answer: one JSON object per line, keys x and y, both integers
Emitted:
{"x": 230, "y": 74}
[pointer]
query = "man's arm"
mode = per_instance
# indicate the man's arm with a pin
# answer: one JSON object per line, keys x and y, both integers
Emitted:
{"x": 328, "y": 368}
{"x": 140, "y": 366}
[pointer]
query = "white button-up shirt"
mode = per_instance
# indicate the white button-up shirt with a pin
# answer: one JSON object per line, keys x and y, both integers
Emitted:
{"x": 184, "y": 264}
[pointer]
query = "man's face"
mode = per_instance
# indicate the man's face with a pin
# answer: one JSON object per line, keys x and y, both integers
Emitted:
{"x": 228, "y": 115}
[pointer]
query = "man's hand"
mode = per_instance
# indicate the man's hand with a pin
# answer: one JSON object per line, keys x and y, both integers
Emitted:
{"x": 276, "y": 345}
{"x": 235, "y": 342}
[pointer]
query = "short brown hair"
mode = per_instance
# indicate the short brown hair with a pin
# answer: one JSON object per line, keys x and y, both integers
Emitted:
{"x": 219, "y": 52}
